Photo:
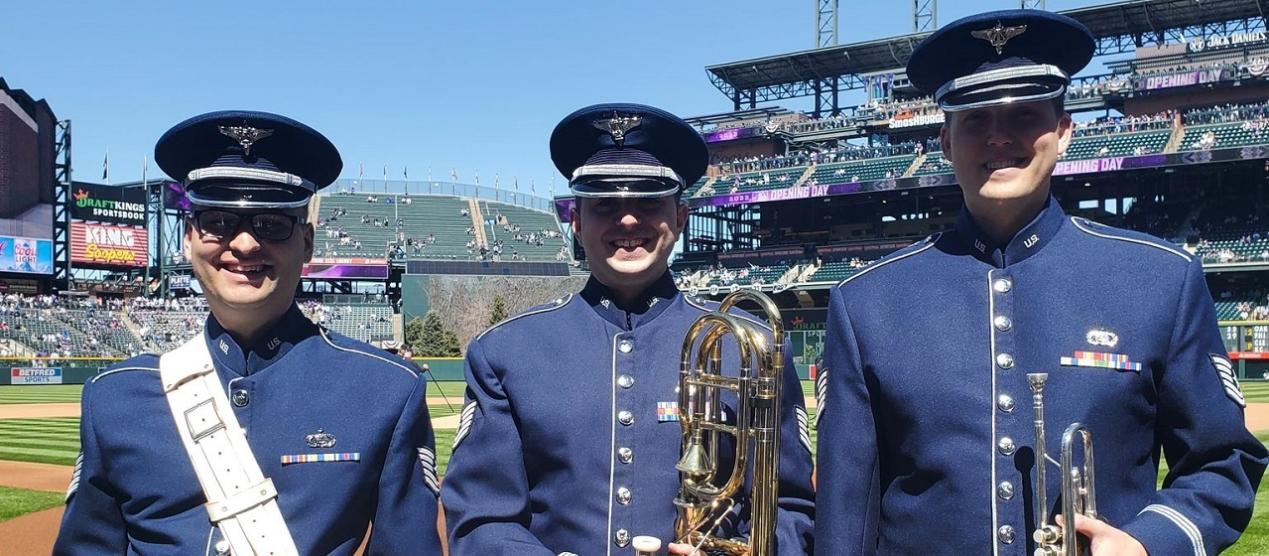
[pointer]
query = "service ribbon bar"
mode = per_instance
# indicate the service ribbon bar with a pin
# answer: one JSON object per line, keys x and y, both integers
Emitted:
{"x": 1101, "y": 360}
{"x": 288, "y": 459}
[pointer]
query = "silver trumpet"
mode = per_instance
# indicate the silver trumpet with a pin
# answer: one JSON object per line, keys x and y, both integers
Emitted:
{"x": 703, "y": 506}
{"x": 1078, "y": 493}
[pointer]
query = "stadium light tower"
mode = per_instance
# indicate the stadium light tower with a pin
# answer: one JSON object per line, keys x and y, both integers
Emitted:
{"x": 825, "y": 23}
{"x": 925, "y": 15}
{"x": 1031, "y": 4}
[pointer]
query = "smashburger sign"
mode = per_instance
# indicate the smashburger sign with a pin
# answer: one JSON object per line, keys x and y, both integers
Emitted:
{"x": 108, "y": 245}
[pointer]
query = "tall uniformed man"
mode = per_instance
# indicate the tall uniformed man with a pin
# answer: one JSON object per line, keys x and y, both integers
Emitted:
{"x": 926, "y": 431}
{"x": 569, "y": 437}
{"x": 265, "y": 434}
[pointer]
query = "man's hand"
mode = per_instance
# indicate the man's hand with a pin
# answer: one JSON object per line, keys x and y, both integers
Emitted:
{"x": 1105, "y": 540}
{"x": 681, "y": 548}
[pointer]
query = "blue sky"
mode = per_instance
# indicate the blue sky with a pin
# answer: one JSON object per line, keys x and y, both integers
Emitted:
{"x": 470, "y": 85}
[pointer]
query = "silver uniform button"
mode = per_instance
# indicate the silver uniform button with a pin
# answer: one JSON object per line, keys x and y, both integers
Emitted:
{"x": 623, "y": 496}
{"x": 625, "y": 381}
{"x": 222, "y": 547}
{"x": 1006, "y": 446}
{"x": 626, "y": 455}
{"x": 1005, "y": 490}
{"x": 1004, "y": 360}
{"x": 622, "y": 538}
{"x": 241, "y": 398}
{"x": 1002, "y": 285}
{"x": 1005, "y": 403}
{"x": 1005, "y": 534}
{"x": 1002, "y": 323}
{"x": 625, "y": 417}
{"x": 625, "y": 346}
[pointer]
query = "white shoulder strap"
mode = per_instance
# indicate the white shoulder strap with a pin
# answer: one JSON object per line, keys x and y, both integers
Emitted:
{"x": 241, "y": 501}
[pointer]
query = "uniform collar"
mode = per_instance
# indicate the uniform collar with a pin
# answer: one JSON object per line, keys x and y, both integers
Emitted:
{"x": 1027, "y": 242}
{"x": 228, "y": 355}
{"x": 649, "y": 304}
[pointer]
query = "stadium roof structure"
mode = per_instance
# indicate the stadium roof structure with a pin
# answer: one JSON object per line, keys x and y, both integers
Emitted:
{"x": 737, "y": 116}
{"x": 1118, "y": 27}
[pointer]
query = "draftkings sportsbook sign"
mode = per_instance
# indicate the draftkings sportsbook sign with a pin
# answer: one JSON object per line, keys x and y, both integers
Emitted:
{"x": 104, "y": 203}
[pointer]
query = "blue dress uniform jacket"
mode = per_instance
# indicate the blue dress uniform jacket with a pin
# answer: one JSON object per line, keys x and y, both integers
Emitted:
{"x": 134, "y": 489}
{"x": 569, "y": 438}
{"x": 926, "y": 431}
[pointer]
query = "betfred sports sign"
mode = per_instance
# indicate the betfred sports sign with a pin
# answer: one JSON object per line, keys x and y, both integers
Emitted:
{"x": 108, "y": 244}
{"x": 35, "y": 375}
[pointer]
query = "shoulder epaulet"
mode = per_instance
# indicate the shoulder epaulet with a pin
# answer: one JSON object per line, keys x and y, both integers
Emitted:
{"x": 118, "y": 370}
{"x": 545, "y": 308}
{"x": 1107, "y": 232}
{"x": 366, "y": 353}
{"x": 909, "y": 251}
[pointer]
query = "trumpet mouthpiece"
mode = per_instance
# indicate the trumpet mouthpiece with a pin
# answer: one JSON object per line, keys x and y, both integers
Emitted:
{"x": 1037, "y": 380}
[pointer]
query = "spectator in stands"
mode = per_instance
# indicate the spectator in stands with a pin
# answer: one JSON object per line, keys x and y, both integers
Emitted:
{"x": 980, "y": 302}
{"x": 624, "y": 320}
{"x": 152, "y": 487}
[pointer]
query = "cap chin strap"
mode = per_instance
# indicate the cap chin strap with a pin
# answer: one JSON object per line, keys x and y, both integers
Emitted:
{"x": 1002, "y": 79}
{"x": 244, "y": 204}
{"x": 626, "y": 171}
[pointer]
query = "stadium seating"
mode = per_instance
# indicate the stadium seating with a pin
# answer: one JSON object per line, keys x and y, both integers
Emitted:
{"x": 1226, "y": 135}
{"x": 864, "y": 170}
{"x": 541, "y": 239}
{"x": 934, "y": 164}
{"x": 1117, "y": 144}
{"x": 365, "y": 322}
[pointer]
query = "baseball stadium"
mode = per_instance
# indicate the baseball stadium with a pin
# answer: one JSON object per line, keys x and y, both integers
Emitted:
{"x": 1171, "y": 139}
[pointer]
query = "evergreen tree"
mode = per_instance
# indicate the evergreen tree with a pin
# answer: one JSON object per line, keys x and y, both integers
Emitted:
{"x": 499, "y": 312}
{"x": 414, "y": 335}
{"x": 433, "y": 339}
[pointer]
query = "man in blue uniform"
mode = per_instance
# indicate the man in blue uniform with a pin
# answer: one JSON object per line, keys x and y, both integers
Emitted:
{"x": 338, "y": 431}
{"x": 926, "y": 431}
{"x": 570, "y": 435}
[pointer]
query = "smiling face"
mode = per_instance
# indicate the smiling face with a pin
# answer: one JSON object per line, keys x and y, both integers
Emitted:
{"x": 1004, "y": 155}
{"x": 246, "y": 278}
{"x": 628, "y": 241}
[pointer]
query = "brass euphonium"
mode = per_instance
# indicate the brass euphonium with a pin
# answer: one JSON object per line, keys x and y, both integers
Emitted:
{"x": 702, "y": 504}
{"x": 1078, "y": 493}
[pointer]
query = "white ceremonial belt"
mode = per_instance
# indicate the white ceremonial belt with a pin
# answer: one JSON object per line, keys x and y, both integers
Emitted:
{"x": 241, "y": 501}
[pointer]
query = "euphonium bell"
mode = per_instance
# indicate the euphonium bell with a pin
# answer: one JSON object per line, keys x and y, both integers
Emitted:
{"x": 1078, "y": 493}
{"x": 703, "y": 504}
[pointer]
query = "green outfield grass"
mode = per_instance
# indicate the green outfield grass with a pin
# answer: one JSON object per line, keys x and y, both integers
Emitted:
{"x": 40, "y": 440}
{"x": 19, "y": 501}
{"x": 44, "y": 393}
{"x": 1256, "y": 392}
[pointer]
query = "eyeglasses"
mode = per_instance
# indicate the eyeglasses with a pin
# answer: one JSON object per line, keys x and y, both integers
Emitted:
{"x": 266, "y": 226}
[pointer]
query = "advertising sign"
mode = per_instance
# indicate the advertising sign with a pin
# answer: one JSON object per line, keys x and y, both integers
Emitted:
{"x": 108, "y": 245}
{"x": 103, "y": 203}
{"x": 35, "y": 375}
{"x": 26, "y": 255}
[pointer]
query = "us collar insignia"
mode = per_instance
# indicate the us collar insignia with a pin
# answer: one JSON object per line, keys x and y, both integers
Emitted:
{"x": 320, "y": 439}
{"x": 999, "y": 35}
{"x": 246, "y": 136}
{"x": 618, "y": 126}
{"x": 1099, "y": 337}
{"x": 605, "y": 302}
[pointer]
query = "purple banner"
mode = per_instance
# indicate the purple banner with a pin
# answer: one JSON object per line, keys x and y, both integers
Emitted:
{"x": 731, "y": 134}
{"x": 341, "y": 270}
{"x": 1186, "y": 79}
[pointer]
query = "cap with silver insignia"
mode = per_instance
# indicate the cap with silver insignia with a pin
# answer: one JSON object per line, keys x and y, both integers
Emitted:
{"x": 245, "y": 159}
{"x": 1000, "y": 57}
{"x": 627, "y": 150}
